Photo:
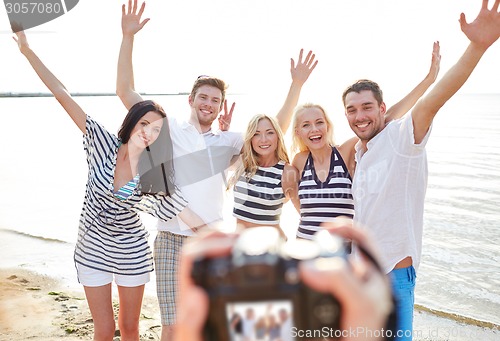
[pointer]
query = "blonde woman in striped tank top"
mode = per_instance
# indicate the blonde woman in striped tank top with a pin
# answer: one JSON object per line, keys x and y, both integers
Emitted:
{"x": 326, "y": 169}
{"x": 264, "y": 179}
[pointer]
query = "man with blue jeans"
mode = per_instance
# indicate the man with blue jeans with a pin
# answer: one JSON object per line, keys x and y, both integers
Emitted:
{"x": 391, "y": 166}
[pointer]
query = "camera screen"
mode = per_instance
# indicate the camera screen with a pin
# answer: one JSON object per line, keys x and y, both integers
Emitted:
{"x": 260, "y": 320}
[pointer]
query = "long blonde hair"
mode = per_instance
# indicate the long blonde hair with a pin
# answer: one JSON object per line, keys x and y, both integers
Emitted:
{"x": 249, "y": 158}
{"x": 297, "y": 144}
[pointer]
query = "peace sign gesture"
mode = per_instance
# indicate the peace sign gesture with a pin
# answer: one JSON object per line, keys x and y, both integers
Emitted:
{"x": 225, "y": 119}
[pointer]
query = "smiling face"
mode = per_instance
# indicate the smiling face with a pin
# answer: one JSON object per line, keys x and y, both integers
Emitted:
{"x": 364, "y": 114}
{"x": 312, "y": 128}
{"x": 205, "y": 106}
{"x": 265, "y": 140}
{"x": 147, "y": 130}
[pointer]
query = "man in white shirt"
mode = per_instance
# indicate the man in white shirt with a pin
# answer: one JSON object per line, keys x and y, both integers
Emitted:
{"x": 391, "y": 167}
{"x": 200, "y": 158}
{"x": 248, "y": 325}
{"x": 285, "y": 325}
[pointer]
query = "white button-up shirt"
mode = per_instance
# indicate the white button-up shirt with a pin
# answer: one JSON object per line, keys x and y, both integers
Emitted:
{"x": 389, "y": 190}
{"x": 200, "y": 164}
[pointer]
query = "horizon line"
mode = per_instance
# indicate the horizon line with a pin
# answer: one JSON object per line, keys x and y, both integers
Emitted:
{"x": 7, "y": 94}
{"x": 76, "y": 94}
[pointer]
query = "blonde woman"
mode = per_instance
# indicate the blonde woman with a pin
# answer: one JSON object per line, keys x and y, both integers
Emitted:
{"x": 324, "y": 188}
{"x": 326, "y": 169}
{"x": 264, "y": 179}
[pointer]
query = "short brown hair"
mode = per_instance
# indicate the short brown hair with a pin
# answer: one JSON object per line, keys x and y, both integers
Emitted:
{"x": 211, "y": 81}
{"x": 364, "y": 84}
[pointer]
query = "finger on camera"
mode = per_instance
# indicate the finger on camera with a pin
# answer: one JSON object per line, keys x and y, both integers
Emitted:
{"x": 207, "y": 244}
{"x": 332, "y": 275}
{"x": 211, "y": 243}
{"x": 192, "y": 312}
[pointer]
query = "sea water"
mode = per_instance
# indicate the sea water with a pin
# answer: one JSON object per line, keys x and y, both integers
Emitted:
{"x": 43, "y": 174}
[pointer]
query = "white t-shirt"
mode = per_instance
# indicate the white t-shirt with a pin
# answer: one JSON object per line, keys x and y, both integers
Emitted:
{"x": 248, "y": 327}
{"x": 389, "y": 190}
{"x": 200, "y": 167}
{"x": 286, "y": 330}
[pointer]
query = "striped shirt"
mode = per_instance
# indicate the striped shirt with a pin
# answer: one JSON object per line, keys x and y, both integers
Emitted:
{"x": 260, "y": 199}
{"x": 323, "y": 201}
{"x": 111, "y": 236}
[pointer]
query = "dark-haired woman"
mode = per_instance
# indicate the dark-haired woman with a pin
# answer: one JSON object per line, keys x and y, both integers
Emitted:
{"x": 128, "y": 173}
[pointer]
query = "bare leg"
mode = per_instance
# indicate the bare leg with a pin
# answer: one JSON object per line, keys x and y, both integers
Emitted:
{"x": 167, "y": 333}
{"x": 130, "y": 310}
{"x": 101, "y": 308}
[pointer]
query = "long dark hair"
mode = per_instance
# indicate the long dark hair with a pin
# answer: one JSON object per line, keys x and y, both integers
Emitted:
{"x": 156, "y": 169}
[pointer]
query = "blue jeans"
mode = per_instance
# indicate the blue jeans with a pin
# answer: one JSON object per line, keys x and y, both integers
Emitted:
{"x": 403, "y": 286}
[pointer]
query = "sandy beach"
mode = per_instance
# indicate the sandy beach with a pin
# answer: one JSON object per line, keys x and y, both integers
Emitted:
{"x": 38, "y": 307}
{"x": 40, "y": 299}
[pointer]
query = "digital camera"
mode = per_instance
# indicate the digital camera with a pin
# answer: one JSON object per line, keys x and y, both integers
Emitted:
{"x": 256, "y": 292}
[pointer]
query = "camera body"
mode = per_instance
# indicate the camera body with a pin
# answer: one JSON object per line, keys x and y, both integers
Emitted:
{"x": 260, "y": 280}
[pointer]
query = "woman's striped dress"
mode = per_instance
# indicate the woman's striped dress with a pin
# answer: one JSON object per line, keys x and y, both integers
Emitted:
{"x": 111, "y": 236}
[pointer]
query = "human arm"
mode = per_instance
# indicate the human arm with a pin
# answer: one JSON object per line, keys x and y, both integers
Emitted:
{"x": 347, "y": 151}
{"x": 234, "y": 163}
{"x": 290, "y": 184}
{"x": 482, "y": 33}
{"x": 166, "y": 207}
{"x": 52, "y": 83}
{"x": 193, "y": 220}
{"x": 300, "y": 73}
{"x": 131, "y": 24}
{"x": 405, "y": 104}
{"x": 299, "y": 162}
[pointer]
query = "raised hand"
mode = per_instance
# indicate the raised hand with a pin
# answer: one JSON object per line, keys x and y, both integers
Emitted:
{"x": 301, "y": 71}
{"x": 300, "y": 74}
{"x": 485, "y": 29}
{"x": 131, "y": 19}
{"x": 435, "y": 62}
{"x": 225, "y": 119}
{"x": 52, "y": 83}
{"x": 22, "y": 41}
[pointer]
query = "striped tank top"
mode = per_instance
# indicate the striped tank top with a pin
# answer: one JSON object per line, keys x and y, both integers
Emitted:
{"x": 323, "y": 201}
{"x": 259, "y": 200}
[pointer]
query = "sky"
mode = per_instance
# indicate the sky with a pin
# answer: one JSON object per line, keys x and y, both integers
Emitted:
{"x": 249, "y": 44}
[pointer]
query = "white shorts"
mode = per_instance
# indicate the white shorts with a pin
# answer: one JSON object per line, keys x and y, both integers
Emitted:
{"x": 95, "y": 278}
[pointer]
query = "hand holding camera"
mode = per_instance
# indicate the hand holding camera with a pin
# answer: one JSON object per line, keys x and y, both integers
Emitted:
{"x": 307, "y": 289}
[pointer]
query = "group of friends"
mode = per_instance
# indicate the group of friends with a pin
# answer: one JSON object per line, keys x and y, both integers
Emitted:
{"x": 155, "y": 164}
{"x": 249, "y": 326}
